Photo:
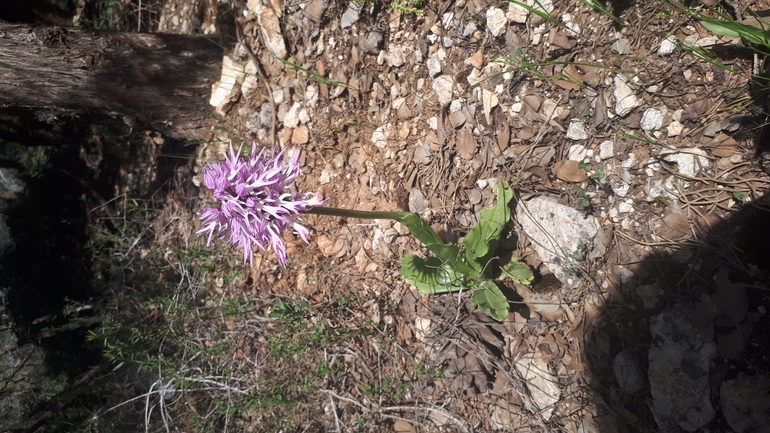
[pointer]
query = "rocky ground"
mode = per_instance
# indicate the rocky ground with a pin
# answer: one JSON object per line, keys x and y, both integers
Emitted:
{"x": 632, "y": 144}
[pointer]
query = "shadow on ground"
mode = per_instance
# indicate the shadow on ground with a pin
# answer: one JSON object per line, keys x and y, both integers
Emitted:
{"x": 683, "y": 342}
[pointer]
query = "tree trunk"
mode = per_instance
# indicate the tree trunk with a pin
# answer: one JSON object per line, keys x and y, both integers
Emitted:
{"x": 63, "y": 75}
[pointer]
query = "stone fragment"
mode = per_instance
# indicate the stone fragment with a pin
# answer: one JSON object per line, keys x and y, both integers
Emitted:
{"x": 278, "y": 95}
{"x": 477, "y": 59}
{"x": 624, "y": 207}
{"x": 625, "y": 99}
{"x": 311, "y": 96}
{"x": 434, "y": 65}
{"x": 649, "y": 294}
{"x": 556, "y": 231}
{"x": 712, "y": 129}
{"x": 250, "y": 82}
{"x": 516, "y": 14}
{"x": 667, "y": 46}
{"x": 576, "y": 130}
{"x": 496, "y": 21}
{"x": 270, "y": 25}
{"x": 325, "y": 177}
{"x": 443, "y": 87}
{"x": 545, "y": 6}
{"x": 577, "y": 152}
{"x": 315, "y": 9}
{"x": 674, "y": 129}
{"x": 628, "y": 371}
{"x": 291, "y": 118}
{"x": 396, "y": 55}
{"x": 457, "y": 119}
{"x": 338, "y": 161}
{"x": 606, "y": 150}
{"x": 475, "y": 77}
{"x": 661, "y": 189}
{"x": 266, "y": 114}
{"x": 689, "y": 161}
{"x": 542, "y": 384}
{"x": 746, "y": 403}
{"x": 350, "y": 16}
{"x": 470, "y": 29}
{"x": 679, "y": 362}
{"x": 652, "y": 119}
{"x": 380, "y": 136}
{"x": 572, "y": 27}
{"x": 372, "y": 40}
{"x": 620, "y": 187}
{"x": 418, "y": 202}
{"x": 225, "y": 91}
{"x": 621, "y": 46}
{"x": 300, "y": 135}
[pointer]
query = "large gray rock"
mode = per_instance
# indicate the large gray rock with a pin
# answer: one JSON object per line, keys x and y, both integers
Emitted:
{"x": 679, "y": 369}
{"x": 556, "y": 232}
{"x": 746, "y": 404}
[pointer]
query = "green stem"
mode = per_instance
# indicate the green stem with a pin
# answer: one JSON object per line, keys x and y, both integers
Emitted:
{"x": 349, "y": 213}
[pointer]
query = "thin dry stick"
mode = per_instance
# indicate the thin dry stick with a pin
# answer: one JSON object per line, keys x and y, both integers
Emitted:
{"x": 349, "y": 400}
{"x": 334, "y": 411}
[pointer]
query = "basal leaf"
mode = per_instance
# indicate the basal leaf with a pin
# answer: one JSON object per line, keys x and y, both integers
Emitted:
{"x": 449, "y": 253}
{"x": 430, "y": 275}
{"x": 489, "y": 299}
{"x": 481, "y": 242}
{"x": 518, "y": 272}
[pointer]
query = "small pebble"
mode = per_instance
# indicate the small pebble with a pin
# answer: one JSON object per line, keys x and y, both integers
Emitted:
{"x": 496, "y": 21}
{"x": 667, "y": 46}
{"x": 652, "y": 119}
{"x": 576, "y": 130}
{"x": 606, "y": 150}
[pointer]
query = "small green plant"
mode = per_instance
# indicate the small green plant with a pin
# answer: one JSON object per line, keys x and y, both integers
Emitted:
{"x": 584, "y": 201}
{"x": 573, "y": 271}
{"x": 288, "y": 312}
{"x": 739, "y": 197}
{"x": 580, "y": 252}
{"x": 409, "y": 6}
{"x": 470, "y": 264}
{"x": 588, "y": 167}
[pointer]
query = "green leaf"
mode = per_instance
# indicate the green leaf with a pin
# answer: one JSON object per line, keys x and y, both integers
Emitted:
{"x": 420, "y": 229}
{"x": 489, "y": 299}
{"x": 735, "y": 29}
{"x": 482, "y": 240}
{"x": 518, "y": 272}
{"x": 430, "y": 275}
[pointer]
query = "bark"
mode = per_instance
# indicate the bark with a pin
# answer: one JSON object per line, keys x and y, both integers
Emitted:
{"x": 160, "y": 81}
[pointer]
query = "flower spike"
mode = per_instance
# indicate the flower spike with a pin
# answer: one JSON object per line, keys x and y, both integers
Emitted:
{"x": 256, "y": 205}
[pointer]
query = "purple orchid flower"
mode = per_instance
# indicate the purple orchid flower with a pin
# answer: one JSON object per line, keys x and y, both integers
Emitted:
{"x": 256, "y": 206}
